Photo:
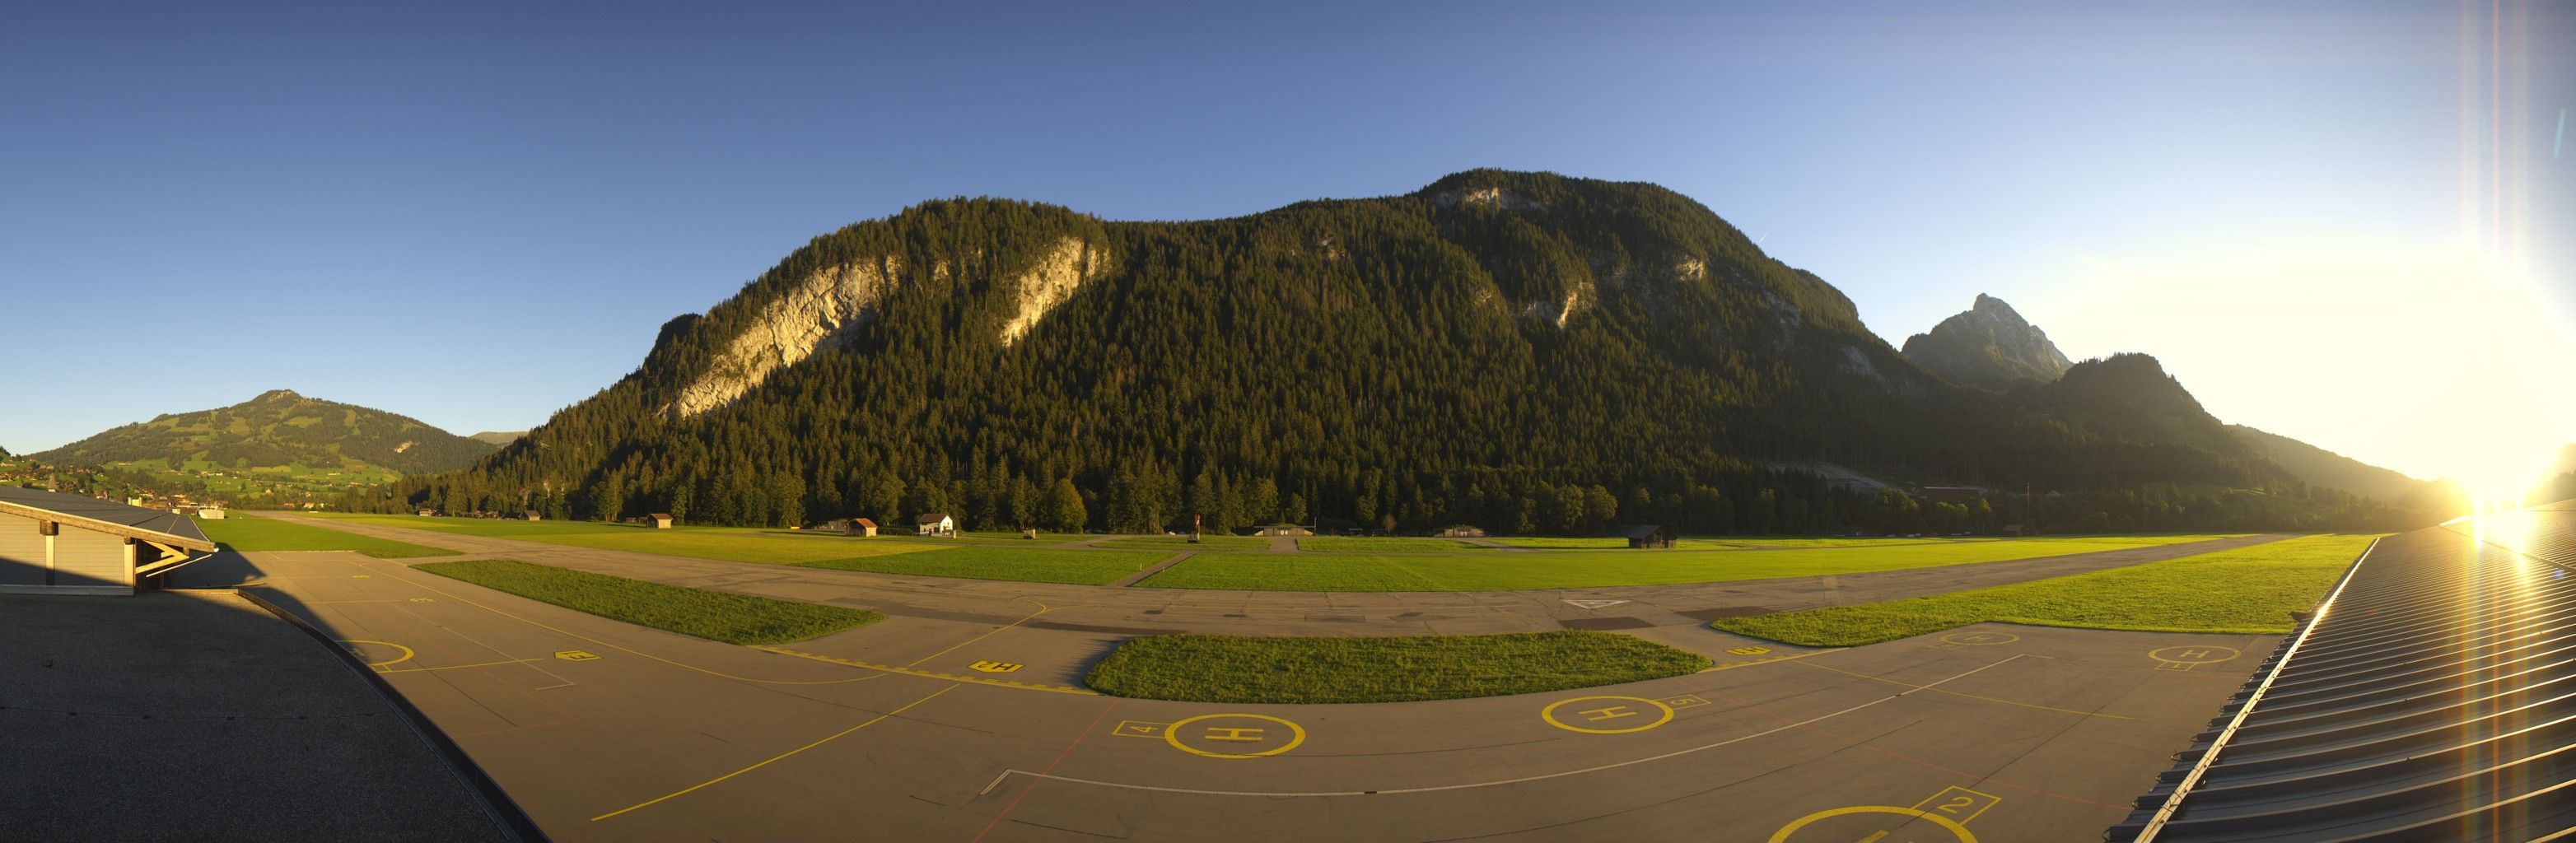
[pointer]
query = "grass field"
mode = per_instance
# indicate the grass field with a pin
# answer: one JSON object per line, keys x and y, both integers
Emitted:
{"x": 256, "y": 534}
{"x": 739, "y": 544}
{"x": 2249, "y": 590}
{"x": 495, "y": 527}
{"x": 1246, "y": 669}
{"x": 1180, "y": 543}
{"x": 1076, "y": 567}
{"x": 1490, "y": 571}
{"x": 1384, "y": 544}
{"x": 1606, "y": 542}
{"x": 712, "y": 615}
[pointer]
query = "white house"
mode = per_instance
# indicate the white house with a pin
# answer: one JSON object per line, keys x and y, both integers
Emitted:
{"x": 935, "y": 524}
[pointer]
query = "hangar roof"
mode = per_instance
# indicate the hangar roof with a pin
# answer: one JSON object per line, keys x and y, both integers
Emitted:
{"x": 2432, "y": 697}
{"x": 168, "y": 528}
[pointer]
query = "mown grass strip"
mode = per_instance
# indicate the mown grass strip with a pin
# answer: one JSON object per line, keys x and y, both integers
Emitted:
{"x": 1249, "y": 669}
{"x": 1075, "y": 567}
{"x": 257, "y": 534}
{"x": 712, "y": 615}
{"x": 1490, "y": 571}
{"x": 2249, "y": 590}
{"x": 736, "y": 544}
{"x": 1384, "y": 544}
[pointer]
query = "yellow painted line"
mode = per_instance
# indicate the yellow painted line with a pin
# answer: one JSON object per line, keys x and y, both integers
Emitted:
{"x": 1944, "y": 823}
{"x": 406, "y": 651}
{"x": 1042, "y": 609}
{"x": 930, "y": 674}
{"x": 1734, "y": 665}
{"x": 1969, "y": 696}
{"x": 772, "y": 759}
{"x": 457, "y": 666}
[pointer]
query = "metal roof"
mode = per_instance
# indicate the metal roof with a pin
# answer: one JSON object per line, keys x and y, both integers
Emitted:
{"x": 168, "y": 528}
{"x": 2432, "y": 697}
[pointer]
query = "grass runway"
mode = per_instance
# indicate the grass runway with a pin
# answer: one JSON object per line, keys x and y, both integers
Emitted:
{"x": 712, "y": 615}
{"x": 1489, "y": 571}
{"x": 2249, "y": 590}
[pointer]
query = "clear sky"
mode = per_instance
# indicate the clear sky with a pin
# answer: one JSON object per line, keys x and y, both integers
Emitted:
{"x": 476, "y": 215}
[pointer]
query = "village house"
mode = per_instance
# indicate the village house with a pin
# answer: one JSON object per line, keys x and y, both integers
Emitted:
{"x": 935, "y": 524}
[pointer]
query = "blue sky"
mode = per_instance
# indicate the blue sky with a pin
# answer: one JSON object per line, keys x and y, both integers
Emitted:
{"x": 476, "y": 215}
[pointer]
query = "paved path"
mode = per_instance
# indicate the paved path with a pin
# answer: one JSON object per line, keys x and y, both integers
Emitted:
{"x": 1164, "y": 610}
{"x": 1158, "y": 567}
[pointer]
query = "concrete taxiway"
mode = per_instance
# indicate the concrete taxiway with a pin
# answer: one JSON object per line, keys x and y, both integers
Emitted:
{"x": 946, "y": 724}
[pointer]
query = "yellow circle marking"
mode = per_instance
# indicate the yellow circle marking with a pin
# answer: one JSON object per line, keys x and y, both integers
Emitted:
{"x": 1946, "y": 824}
{"x": 2185, "y": 650}
{"x": 1549, "y": 714}
{"x": 1172, "y": 735}
{"x": 406, "y": 651}
{"x": 1984, "y": 639}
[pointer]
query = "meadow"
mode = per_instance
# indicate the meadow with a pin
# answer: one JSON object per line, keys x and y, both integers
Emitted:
{"x": 1181, "y": 543}
{"x": 737, "y": 544}
{"x": 1074, "y": 567}
{"x": 1249, "y": 669}
{"x": 1385, "y": 544}
{"x": 712, "y": 615}
{"x": 2250, "y": 590}
{"x": 1489, "y": 571}
{"x": 257, "y": 534}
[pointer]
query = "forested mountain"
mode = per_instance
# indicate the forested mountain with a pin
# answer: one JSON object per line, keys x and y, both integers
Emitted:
{"x": 1990, "y": 347}
{"x": 497, "y": 438}
{"x": 2321, "y": 467}
{"x": 1522, "y": 351}
{"x": 276, "y": 429}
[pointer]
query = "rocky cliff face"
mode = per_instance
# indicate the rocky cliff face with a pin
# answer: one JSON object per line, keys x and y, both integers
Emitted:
{"x": 1990, "y": 346}
{"x": 826, "y": 308}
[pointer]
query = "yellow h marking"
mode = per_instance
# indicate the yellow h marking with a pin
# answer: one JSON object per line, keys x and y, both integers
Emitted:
{"x": 1607, "y": 713}
{"x": 1233, "y": 734}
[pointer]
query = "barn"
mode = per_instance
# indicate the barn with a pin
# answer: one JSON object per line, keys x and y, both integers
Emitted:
{"x": 55, "y": 543}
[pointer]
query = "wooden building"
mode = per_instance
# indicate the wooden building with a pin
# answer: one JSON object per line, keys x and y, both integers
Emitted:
{"x": 57, "y": 543}
{"x": 1647, "y": 535}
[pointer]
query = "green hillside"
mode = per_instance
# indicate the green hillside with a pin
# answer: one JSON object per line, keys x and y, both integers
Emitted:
{"x": 2321, "y": 467}
{"x": 279, "y": 434}
{"x": 1519, "y": 351}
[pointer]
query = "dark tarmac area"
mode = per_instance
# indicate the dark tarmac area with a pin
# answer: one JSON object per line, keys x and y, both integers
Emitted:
{"x": 197, "y": 716}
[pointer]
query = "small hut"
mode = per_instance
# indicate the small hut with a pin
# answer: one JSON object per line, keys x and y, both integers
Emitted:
{"x": 661, "y": 520}
{"x": 863, "y": 527}
{"x": 1647, "y": 535}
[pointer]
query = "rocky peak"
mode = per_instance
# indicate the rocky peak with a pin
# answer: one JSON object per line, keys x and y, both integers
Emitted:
{"x": 1990, "y": 346}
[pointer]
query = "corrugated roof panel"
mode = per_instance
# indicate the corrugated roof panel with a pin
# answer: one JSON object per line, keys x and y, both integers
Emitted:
{"x": 2432, "y": 698}
{"x": 168, "y": 524}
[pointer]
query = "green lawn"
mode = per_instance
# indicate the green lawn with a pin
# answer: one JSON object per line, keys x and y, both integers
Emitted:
{"x": 2249, "y": 590}
{"x": 256, "y": 534}
{"x": 1180, "y": 543}
{"x": 494, "y": 527}
{"x": 1384, "y": 544}
{"x": 1077, "y": 567}
{"x": 712, "y": 615}
{"x": 1520, "y": 571}
{"x": 1246, "y": 669}
{"x": 739, "y": 544}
